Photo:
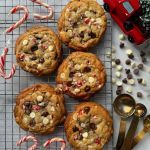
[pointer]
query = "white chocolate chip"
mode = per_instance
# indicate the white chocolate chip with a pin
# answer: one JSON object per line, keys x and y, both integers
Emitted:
{"x": 83, "y": 125}
{"x": 91, "y": 79}
{"x": 25, "y": 42}
{"x": 50, "y": 48}
{"x": 119, "y": 83}
{"x": 39, "y": 98}
{"x": 129, "y": 51}
{"x": 98, "y": 20}
{"x": 41, "y": 104}
{"x": 45, "y": 121}
{"x": 75, "y": 116}
{"x": 32, "y": 115}
{"x": 77, "y": 67}
{"x": 69, "y": 32}
{"x": 119, "y": 68}
{"x": 113, "y": 80}
{"x": 87, "y": 13}
{"x": 143, "y": 82}
{"x": 118, "y": 74}
{"x": 62, "y": 75}
{"x": 76, "y": 90}
{"x": 39, "y": 66}
{"x": 48, "y": 94}
{"x": 129, "y": 89}
{"x": 25, "y": 120}
{"x": 52, "y": 108}
{"x": 131, "y": 81}
{"x": 113, "y": 64}
{"x": 85, "y": 134}
{"x": 121, "y": 37}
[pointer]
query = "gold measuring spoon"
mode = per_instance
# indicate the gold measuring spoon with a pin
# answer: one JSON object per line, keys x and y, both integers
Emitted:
{"x": 124, "y": 106}
{"x": 140, "y": 111}
{"x": 142, "y": 133}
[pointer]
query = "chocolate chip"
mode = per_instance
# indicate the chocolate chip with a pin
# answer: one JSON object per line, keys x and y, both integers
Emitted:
{"x": 33, "y": 58}
{"x": 34, "y": 48}
{"x": 136, "y": 71}
{"x": 131, "y": 56}
{"x": 69, "y": 83}
{"x": 45, "y": 114}
{"x": 41, "y": 60}
{"x": 80, "y": 137}
{"x": 129, "y": 76}
{"x": 82, "y": 34}
{"x": 144, "y": 60}
{"x": 141, "y": 66}
{"x": 120, "y": 88}
{"x": 86, "y": 110}
{"x": 87, "y": 89}
{"x": 139, "y": 94}
{"x": 128, "y": 62}
{"x": 140, "y": 80}
{"x": 32, "y": 122}
{"x": 127, "y": 71}
{"x": 86, "y": 69}
{"x": 27, "y": 111}
{"x": 125, "y": 81}
{"x": 74, "y": 24}
{"x": 71, "y": 74}
{"x": 75, "y": 129}
{"x": 142, "y": 53}
{"x": 92, "y": 35}
{"x": 117, "y": 61}
{"x": 118, "y": 92}
{"x": 121, "y": 45}
{"x": 28, "y": 105}
{"x": 93, "y": 126}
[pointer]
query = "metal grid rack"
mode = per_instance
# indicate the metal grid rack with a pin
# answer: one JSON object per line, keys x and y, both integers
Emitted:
{"x": 9, "y": 130}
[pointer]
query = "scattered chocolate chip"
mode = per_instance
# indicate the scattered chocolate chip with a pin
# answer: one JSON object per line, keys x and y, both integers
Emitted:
{"x": 87, "y": 89}
{"x": 33, "y": 58}
{"x": 117, "y": 61}
{"x": 142, "y": 53}
{"x": 141, "y": 66}
{"x": 82, "y": 34}
{"x": 118, "y": 92}
{"x": 139, "y": 94}
{"x": 136, "y": 71}
{"x": 120, "y": 88}
{"x": 71, "y": 74}
{"x": 93, "y": 126}
{"x": 121, "y": 45}
{"x": 140, "y": 80}
{"x": 45, "y": 114}
{"x": 128, "y": 62}
{"x": 127, "y": 71}
{"x": 32, "y": 122}
{"x": 69, "y": 83}
{"x": 144, "y": 60}
{"x": 131, "y": 56}
{"x": 86, "y": 110}
{"x": 86, "y": 69}
{"x": 92, "y": 35}
{"x": 75, "y": 129}
{"x": 34, "y": 48}
{"x": 129, "y": 76}
{"x": 125, "y": 81}
{"x": 41, "y": 60}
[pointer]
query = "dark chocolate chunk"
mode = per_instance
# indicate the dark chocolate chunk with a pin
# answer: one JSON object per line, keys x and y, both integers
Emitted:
{"x": 34, "y": 48}
{"x": 86, "y": 69}
{"x": 82, "y": 34}
{"x": 140, "y": 80}
{"x": 120, "y": 88}
{"x": 129, "y": 76}
{"x": 69, "y": 83}
{"x": 125, "y": 81}
{"x": 144, "y": 59}
{"x": 121, "y": 45}
{"x": 118, "y": 92}
{"x": 87, "y": 89}
{"x": 141, "y": 66}
{"x": 139, "y": 94}
{"x": 92, "y": 35}
{"x": 117, "y": 61}
{"x": 93, "y": 126}
{"x": 127, "y": 71}
{"x": 128, "y": 62}
{"x": 41, "y": 60}
{"x": 75, "y": 129}
{"x": 32, "y": 122}
{"x": 45, "y": 114}
{"x": 86, "y": 110}
{"x": 28, "y": 105}
{"x": 27, "y": 111}
{"x": 131, "y": 56}
{"x": 142, "y": 53}
{"x": 74, "y": 25}
{"x": 136, "y": 71}
{"x": 71, "y": 74}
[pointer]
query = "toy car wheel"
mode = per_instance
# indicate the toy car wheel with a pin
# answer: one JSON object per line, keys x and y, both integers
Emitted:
{"x": 128, "y": 25}
{"x": 106, "y": 7}
{"x": 130, "y": 38}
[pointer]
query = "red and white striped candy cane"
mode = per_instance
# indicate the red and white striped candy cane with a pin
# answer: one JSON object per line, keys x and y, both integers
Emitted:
{"x": 50, "y": 9}
{"x": 21, "y": 21}
{"x": 25, "y": 139}
{"x": 2, "y": 64}
{"x": 55, "y": 140}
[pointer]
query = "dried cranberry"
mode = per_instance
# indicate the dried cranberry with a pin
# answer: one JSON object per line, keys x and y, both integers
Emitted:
{"x": 97, "y": 141}
{"x": 36, "y": 107}
{"x": 86, "y": 110}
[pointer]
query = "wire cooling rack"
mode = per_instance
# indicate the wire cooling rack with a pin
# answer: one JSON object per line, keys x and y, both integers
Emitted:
{"x": 9, "y": 130}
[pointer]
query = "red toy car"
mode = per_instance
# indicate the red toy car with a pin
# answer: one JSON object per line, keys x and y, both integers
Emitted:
{"x": 127, "y": 14}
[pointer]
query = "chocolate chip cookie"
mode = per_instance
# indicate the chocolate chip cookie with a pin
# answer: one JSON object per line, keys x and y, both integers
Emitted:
{"x": 38, "y": 50}
{"x": 82, "y": 24}
{"x": 89, "y": 127}
{"x": 39, "y": 109}
{"x": 81, "y": 75}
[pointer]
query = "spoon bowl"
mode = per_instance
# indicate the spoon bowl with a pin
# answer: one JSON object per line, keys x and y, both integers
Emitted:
{"x": 140, "y": 110}
{"x": 146, "y": 123}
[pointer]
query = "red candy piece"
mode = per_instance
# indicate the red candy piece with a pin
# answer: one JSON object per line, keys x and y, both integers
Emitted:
{"x": 36, "y": 107}
{"x": 97, "y": 141}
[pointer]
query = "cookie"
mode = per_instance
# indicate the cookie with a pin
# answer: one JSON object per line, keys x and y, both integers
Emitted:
{"x": 82, "y": 24}
{"x": 81, "y": 75}
{"x": 39, "y": 109}
{"x": 38, "y": 50}
{"x": 89, "y": 127}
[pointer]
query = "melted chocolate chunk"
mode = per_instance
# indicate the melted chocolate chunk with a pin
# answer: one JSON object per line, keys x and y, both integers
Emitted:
{"x": 32, "y": 122}
{"x": 86, "y": 110}
{"x": 93, "y": 126}
{"x": 75, "y": 129}
{"x": 45, "y": 114}
{"x": 87, "y": 69}
{"x": 69, "y": 83}
{"x": 87, "y": 89}
{"x": 34, "y": 48}
{"x": 92, "y": 35}
{"x": 41, "y": 60}
{"x": 82, "y": 34}
{"x": 71, "y": 74}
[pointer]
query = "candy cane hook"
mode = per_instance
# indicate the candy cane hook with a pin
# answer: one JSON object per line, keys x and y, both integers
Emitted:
{"x": 21, "y": 21}
{"x": 2, "y": 64}
{"x": 50, "y": 9}
{"x": 48, "y": 142}
{"x": 25, "y": 139}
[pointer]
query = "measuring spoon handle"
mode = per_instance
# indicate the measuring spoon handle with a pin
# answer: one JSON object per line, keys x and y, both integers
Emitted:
{"x": 131, "y": 132}
{"x": 121, "y": 134}
{"x": 138, "y": 138}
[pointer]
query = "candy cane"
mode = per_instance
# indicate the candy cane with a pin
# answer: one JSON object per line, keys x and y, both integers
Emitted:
{"x": 21, "y": 21}
{"x": 2, "y": 64}
{"x": 50, "y": 9}
{"x": 25, "y": 139}
{"x": 55, "y": 140}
